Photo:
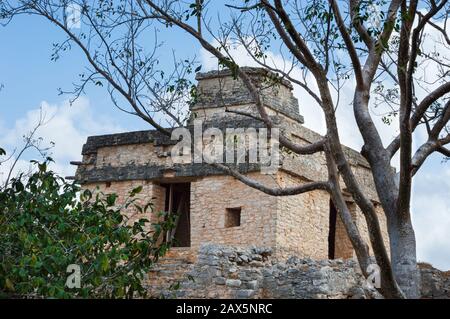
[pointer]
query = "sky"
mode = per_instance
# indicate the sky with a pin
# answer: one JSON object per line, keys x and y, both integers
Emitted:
{"x": 31, "y": 81}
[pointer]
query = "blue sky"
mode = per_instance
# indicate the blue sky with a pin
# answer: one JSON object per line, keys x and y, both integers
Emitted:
{"x": 28, "y": 73}
{"x": 31, "y": 81}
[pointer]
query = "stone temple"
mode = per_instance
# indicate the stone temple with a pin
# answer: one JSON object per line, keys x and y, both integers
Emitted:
{"x": 216, "y": 208}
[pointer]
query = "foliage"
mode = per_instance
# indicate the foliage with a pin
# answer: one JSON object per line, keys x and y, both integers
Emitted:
{"x": 45, "y": 227}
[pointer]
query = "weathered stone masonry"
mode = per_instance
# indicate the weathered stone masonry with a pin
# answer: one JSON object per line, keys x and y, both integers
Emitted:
{"x": 253, "y": 272}
{"x": 297, "y": 225}
{"x": 220, "y": 209}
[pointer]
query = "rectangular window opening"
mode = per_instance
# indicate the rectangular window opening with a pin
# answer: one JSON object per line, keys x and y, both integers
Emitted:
{"x": 233, "y": 217}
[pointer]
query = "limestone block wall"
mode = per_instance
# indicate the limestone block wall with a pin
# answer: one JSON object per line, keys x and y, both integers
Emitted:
{"x": 344, "y": 248}
{"x": 212, "y": 195}
{"x": 302, "y": 222}
{"x": 217, "y": 90}
{"x": 290, "y": 225}
{"x": 150, "y": 192}
{"x": 343, "y": 245}
{"x": 133, "y": 154}
{"x": 362, "y": 226}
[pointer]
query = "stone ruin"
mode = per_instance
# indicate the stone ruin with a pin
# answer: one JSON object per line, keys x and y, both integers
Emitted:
{"x": 252, "y": 272}
{"x": 215, "y": 208}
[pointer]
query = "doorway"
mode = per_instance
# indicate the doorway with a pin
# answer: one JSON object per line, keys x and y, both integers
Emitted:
{"x": 339, "y": 244}
{"x": 332, "y": 231}
{"x": 178, "y": 205}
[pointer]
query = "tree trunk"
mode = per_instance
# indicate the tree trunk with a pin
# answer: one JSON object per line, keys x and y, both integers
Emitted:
{"x": 403, "y": 256}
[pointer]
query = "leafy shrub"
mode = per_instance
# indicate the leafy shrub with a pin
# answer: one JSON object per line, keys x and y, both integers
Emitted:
{"x": 47, "y": 224}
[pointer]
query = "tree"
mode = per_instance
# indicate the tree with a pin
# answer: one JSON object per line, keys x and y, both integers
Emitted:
{"x": 379, "y": 44}
{"x": 45, "y": 228}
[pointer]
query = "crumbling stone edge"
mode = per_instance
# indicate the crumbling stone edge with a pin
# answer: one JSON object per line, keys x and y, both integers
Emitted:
{"x": 242, "y": 273}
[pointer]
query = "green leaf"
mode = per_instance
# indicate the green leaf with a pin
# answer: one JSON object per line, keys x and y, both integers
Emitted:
{"x": 9, "y": 285}
{"x": 104, "y": 263}
{"x": 19, "y": 186}
{"x": 136, "y": 190}
{"x": 111, "y": 199}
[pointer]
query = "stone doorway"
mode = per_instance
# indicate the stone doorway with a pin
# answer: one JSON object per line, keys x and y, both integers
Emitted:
{"x": 339, "y": 244}
{"x": 178, "y": 202}
{"x": 332, "y": 231}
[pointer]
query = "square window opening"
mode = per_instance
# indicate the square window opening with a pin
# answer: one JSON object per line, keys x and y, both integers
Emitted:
{"x": 233, "y": 217}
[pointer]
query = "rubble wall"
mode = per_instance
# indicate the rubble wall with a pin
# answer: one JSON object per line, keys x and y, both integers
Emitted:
{"x": 219, "y": 271}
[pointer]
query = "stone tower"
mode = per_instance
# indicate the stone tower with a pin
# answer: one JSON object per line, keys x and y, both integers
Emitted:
{"x": 219, "y": 95}
{"x": 217, "y": 208}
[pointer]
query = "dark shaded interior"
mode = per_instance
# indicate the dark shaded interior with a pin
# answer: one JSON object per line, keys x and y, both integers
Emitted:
{"x": 178, "y": 202}
{"x": 233, "y": 217}
{"x": 332, "y": 231}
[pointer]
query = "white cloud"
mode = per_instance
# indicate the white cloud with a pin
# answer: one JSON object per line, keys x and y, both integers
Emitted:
{"x": 67, "y": 126}
{"x": 431, "y": 216}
